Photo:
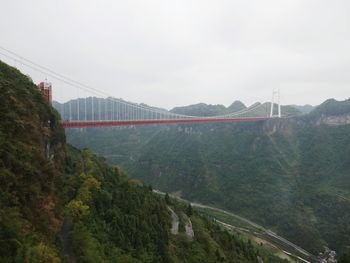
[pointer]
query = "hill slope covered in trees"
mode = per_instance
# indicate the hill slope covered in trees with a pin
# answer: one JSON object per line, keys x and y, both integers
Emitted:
{"x": 291, "y": 175}
{"x": 59, "y": 204}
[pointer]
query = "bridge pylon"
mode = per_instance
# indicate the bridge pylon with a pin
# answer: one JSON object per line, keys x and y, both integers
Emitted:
{"x": 275, "y": 100}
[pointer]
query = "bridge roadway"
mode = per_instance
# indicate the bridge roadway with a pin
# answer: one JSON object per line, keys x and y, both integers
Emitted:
{"x": 111, "y": 123}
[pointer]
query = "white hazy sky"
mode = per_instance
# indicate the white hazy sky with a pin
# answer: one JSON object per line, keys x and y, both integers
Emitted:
{"x": 170, "y": 53}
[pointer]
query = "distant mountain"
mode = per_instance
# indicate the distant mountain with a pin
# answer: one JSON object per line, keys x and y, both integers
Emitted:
{"x": 100, "y": 109}
{"x": 329, "y": 107}
{"x": 107, "y": 109}
{"x": 332, "y": 107}
{"x": 59, "y": 204}
{"x": 291, "y": 174}
{"x": 201, "y": 109}
{"x": 236, "y": 106}
{"x": 304, "y": 108}
{"x": 288, "y": 110}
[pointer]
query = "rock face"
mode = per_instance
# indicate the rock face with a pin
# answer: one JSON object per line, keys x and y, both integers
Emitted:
{"x": 188, "y": 226}
{"x": 343, "y": 119}
{"x": 174, "y": 222}
{"x": 290, "y": 174}
{"x": 272, "y": 126}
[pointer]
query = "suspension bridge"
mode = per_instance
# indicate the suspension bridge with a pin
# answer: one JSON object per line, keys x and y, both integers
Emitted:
{"x": 104, "y": 112}
{"x": 98, "y": 109}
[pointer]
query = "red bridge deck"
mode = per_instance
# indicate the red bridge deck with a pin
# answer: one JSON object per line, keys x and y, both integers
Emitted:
{"x": 92, "y": 124}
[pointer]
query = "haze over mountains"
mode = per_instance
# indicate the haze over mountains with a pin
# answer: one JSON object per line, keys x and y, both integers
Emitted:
{"x": 202, "y": 109}
{"x": 291, "y": 175}
{"x": 107, "y": 111}
{"x": 145, "y": 131}
{"x": 59, "y": 204}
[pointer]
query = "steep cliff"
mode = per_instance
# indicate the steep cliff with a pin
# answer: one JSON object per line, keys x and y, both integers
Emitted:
{"x": 291, "y": 174}
{"x": 59, "y": 204}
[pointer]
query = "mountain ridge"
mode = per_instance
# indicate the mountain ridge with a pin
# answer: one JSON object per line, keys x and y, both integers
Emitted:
{"x": 243, "y": 167}
{"x": 60, "y": 204}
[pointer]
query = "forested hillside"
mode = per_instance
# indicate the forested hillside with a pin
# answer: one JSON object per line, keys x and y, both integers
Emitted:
{"x": 59, "y": 204}
{"x": 290, "y": 175}
{"x": 202, "y": 109}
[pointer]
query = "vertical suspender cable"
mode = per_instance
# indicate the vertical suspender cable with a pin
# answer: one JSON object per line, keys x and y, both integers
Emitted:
{"x": 99, "y": 108}
{"x": 92, "y": 108}
{"x": 118, "y": 110}
{"x": 106, "y": 116}
{"x": 63, "y": 104}
{"x": 78, "y": 105}
{"x": 113, "y": 103}
{"x": 85, "y": 108}
{"x": 70, "y": 110}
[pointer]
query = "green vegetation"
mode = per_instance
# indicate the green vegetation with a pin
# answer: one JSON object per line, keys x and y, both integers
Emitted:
{"x": 291, "y": 175}
{"x": 214, "y": 243}
{"x": 251, "y": 231}
{"x": 332, "y": 107}
{"x": 202, "y": 109}
{"x": 31, "y": 157}
{"x": 345, "y": 258}
{"x": 59, "y": 204}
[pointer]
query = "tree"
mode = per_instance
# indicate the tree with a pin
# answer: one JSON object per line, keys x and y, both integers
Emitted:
{"x": 167, "y": 199}
{"x": 345, "y": 258}
{"x": 76, "y": 210}
{"x": 189, "y": 210}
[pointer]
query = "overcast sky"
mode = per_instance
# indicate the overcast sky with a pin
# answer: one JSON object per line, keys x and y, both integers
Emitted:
{"x": 179, "y": 52}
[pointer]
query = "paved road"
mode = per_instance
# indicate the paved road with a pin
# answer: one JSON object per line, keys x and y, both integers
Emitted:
{"x": 268, "y": 232}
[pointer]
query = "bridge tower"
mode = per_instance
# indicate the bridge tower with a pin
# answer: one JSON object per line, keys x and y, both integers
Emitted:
{"x": 275, "y": 99}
